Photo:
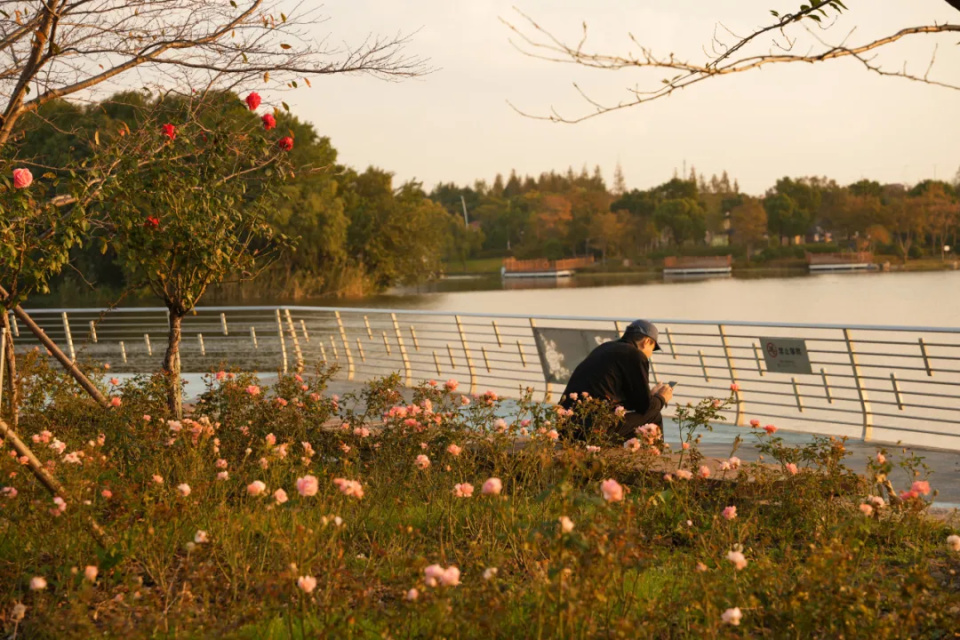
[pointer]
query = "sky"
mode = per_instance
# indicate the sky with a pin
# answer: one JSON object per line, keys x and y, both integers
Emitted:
{"x": 456, "y": 124}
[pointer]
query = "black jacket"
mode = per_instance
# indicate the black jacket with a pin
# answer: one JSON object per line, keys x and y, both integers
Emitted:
{"x": 619, "y": 372}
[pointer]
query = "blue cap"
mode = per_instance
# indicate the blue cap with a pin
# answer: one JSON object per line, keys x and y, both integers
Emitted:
{"x": 643, "y": 328}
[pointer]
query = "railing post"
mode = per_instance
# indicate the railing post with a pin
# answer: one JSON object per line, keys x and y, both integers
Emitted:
{"x": 733, "y": 375}
{"x": 223, "y": 323}
{"x": 3, "y": 359}
{"x": 296, "y": 343}
{"x": 283, "y": 343}
{"x": 466, "y": 352}
{"x": 66, "y": 330}
{"x": 346, "y": 345}
{"x": 146, "y": 341}
{"x": 203, "y": 349}
{"x": 548, "y": 386}
{"x": 861, "y": 388}
{"x": 93, "y": 331}
{"x": 303, "y": 327}
{"x": 403, "y": 350}
{"x": 123, "y": 352}
{"x": 253, "y": 337}
{"x": 15, "y": 326}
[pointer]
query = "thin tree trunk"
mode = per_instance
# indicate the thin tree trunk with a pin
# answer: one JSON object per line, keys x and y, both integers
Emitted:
{"x": 171, "y": 367}
{"x": 11, "y": 357}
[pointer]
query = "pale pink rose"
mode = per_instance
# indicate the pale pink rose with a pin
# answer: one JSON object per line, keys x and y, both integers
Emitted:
{"x": 221, "y": 464}
{"x": 464, "y": 400}
{"x": 223, "y": 475}
{"x": 731, "y": 616}
{"x": 306, "y": 583}
{"x": 412, "y": 595}
{"x": 308, "y": 486}
{"x": 734, "y": 387}
{"x": 106, "y": 493}
{"x": 500, "y": 425}
{"x": 592, "y": 448}
{"x": 454, "y": 450}
{"x": 184, "y": 489}
{"x": 464, "y": 490}
{"x": 792, "y": 468}
{"x": 876, "y": 501}
{"x": 221, "y": 375}
{"x": 881, "y": 458}
{"x": 450, "y": 577}
{"x": 754, "y": 423}
{"x": 921, "y": 486}
{"x": 492, "y": 487}
{"x": 704, "y": 471}
{"x": 264, "y": 463}
{"x": 684, "y": 474}
{"x": 362, "y": 432}
{"x": 735, "y": 462}
{"x": 451, "y": 385}
{"x": 553, "y": 435}
{"x": 685, "y": 446}
{"x": 566, "y": 524}
{"x": 90, "y": 573}
{"x": 200, "y": 537}
{"x": 37, "y": 583}
{"x": 619, "y": 412}
{"x": 256, "y": 488}
{"x": 866, "y": 509}
{"x": 157, "y": 479}
{"x": 350, "y": 488}
{"x": 738, "y": 559}
{"x": 730, "y": 513}
{"x": 280, "y": 496}
{"x": 115, "y": 401}
{"x": 574, "y": 396}
{"x": 9, "y": 492}
{"x": 253, "y": 390}
{"x": 432, "y": 575}
{"x": 770, "y": 429}
{"x": 725, "y": 465}
{"x": 490, "y": 573}
{"x": 632, "y": 444}
{"x": 422, "y": 461}
{"x": 22, "y": 178}
{"x": 953, "y": 542}
{"x": 612, "y": 490}
{"x": 668, "y": 477}
{"x": 700, "y": 568}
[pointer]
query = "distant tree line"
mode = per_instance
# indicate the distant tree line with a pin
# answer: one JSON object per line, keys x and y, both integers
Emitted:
{"x": 557, "y": 215}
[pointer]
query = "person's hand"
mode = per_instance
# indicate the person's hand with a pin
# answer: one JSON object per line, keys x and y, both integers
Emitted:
{"x": 665, "y": 391}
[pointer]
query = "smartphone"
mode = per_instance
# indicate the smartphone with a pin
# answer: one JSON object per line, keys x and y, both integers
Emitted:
{"x": 672, "y": 383}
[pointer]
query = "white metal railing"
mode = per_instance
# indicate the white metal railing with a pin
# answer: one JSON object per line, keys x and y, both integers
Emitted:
{"x": 878, "y": 383}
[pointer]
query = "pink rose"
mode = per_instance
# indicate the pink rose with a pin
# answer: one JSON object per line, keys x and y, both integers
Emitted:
{"x": 492, "y": 487}
{"x": 611, "y": 490}
{"x": 306, "y": 583}
{"x": 307, "y": 486}
{"x": 22, "y": 178}
{"x": 256, "y": 488}
{"x": 730, "y": 513}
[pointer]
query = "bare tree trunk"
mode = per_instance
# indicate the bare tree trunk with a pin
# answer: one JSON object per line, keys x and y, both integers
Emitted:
{"x": 171, "y": 367}
{"x": 14, "y": 386}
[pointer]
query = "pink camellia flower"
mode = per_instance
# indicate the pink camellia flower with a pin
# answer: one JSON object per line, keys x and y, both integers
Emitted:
{"x": 256, "y": 488}
{"x": 37, "y": 583}
{"x": 734, "y": 387}
{"x": 115, "y": 401}
{"x": 492, "y": 487}
{"x": 566, "y": 524}
{"x": 451, "y": 385}
{"x": 731, "y": 616}
{"x": 953, "y": 542}
{"x": 454, "y": 450}
{"x": 684, "y": 474}
{"x": 754, "y": 423}
{"x": 866, "y": 509}
{"x": 90, "y": 573}
{"x": 306, "y": 583}
{"x": 184, "y": 489}
{"x": 253, "y": 390}
{"x": 200, "y": 537}
{"x": 704, "y": 471}
{"x": 253, "y": 100}
{"x": 412, "y": 595}
{"x": 114, "y": 381}
{"x": 350, "y": 488}
{"x": 307, "y": 486}
{"x": 285, "y": 143}
{"x": 22, "y": 178}
{"x": 464, "y": 490}
{"x": 730, "y": 513}
{"x": 921, "y": 486}
{"x": 612, "y": 490}
{"x": 770, "y": 429}
{"x": 422, "y": 461}
{"x": 738, "y": 559}
{"x": 169, "y": 130}
{"x": 280, "y": 496}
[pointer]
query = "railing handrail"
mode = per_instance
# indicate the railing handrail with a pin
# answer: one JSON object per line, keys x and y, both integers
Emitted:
{"x": 521, "y": 316}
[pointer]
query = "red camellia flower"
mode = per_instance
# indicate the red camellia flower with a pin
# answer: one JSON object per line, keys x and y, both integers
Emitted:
{"x": 269, "y": 122}
{"x": 285, "y": 143}
{"x": 253, "y": 100}
{"x": 22, "y": 178}
{"x": 170, "y": 131}
{"x": 152, "y": 223}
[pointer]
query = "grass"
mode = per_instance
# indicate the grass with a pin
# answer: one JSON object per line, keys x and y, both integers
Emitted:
{"x": 652, "y": 564}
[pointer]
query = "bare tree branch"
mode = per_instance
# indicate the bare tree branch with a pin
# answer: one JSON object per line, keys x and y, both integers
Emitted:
{"x": 534, "y": 41}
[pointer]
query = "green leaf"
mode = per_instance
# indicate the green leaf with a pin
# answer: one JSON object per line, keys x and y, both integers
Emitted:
{"x": 286, "y": 107}
{"x": 233, "y": 4}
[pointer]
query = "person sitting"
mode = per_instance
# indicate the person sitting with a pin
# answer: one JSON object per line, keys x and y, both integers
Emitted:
{"x": 619, "y": 373}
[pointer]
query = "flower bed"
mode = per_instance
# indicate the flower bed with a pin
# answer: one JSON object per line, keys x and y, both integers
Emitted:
{"x": 250, "y": 519}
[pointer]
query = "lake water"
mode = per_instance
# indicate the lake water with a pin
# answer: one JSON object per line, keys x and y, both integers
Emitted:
{"x": 918, "y": 299}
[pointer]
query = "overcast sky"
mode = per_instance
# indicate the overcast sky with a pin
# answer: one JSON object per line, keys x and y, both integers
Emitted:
{"x": 834, "y": 119}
